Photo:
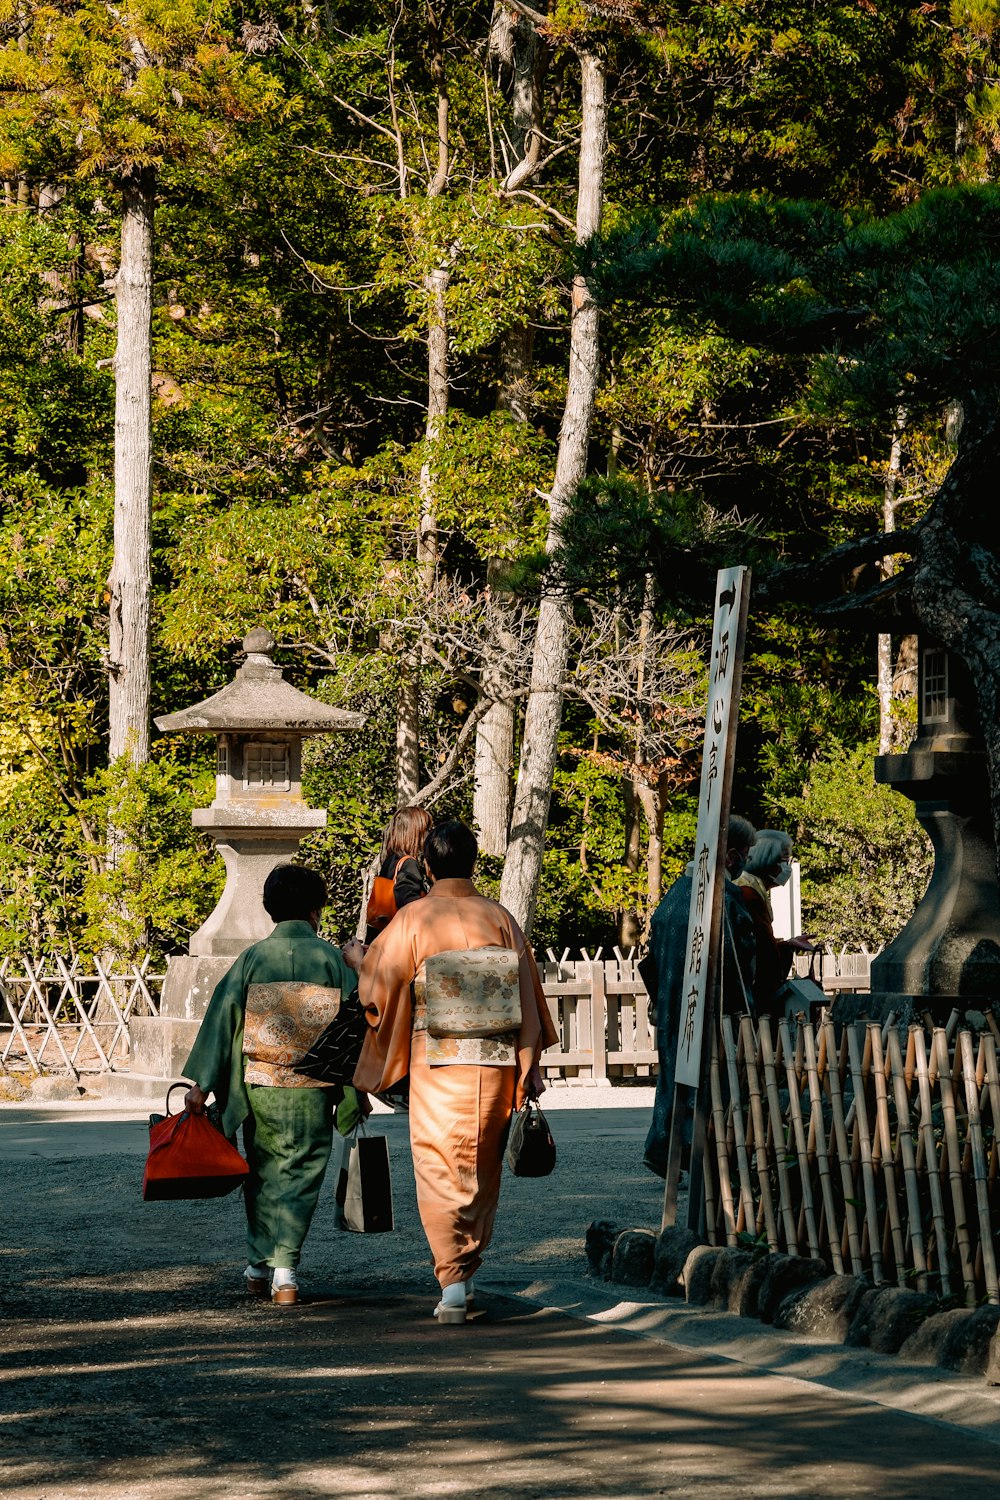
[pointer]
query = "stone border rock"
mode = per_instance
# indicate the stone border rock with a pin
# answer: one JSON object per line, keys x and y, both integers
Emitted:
{"x": 799, "y": 1294}
{"x": 31, "y": 1088}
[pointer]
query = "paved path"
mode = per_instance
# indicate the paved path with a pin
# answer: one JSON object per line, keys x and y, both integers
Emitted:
{"x": 133, "y": 1369}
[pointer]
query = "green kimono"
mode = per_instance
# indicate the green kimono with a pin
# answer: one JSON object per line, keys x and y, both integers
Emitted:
{"x": 287, "y": 1132}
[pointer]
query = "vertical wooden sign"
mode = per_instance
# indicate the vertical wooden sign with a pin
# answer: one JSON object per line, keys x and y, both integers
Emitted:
{"x": 704, "y": 935}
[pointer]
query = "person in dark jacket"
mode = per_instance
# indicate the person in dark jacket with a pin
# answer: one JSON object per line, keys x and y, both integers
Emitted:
{"x": 402, "y": 859}
{"x": 664, "y": 976}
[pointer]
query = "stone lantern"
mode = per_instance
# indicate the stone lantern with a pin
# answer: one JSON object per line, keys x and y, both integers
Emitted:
{"x": 948, "y": 954}
{"x": 257, "y": 821}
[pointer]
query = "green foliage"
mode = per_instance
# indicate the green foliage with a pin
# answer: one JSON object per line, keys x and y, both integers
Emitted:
{"x": 766, "y": 315}
{"x": 617, "y": 534}
{"x": 94, "y": 92}
{"x": 167, "y": 879}
{"x": 865, "y": 859}
{"x": 899, "y": 310}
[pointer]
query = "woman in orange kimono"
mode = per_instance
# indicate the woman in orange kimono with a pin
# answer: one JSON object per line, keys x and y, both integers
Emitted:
{"x": 461, "y": 1100}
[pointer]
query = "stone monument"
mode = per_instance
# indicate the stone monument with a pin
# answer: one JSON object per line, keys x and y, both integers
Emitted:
{"x": 257, "y": 820}
{"x": 948, "y": 954}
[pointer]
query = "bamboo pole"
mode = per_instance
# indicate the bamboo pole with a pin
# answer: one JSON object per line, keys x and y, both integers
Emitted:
{"x": 798, "y": 1131}
{"x": 759, "y": 1134}
{"x": 931, "y": 1160}
{"x": 822, "y": 1156}
{"x": 843, "y": 1150}
{"x": 721, "y": 1157}
{"x": 956, "y": 1183}
{"x": 747, "y": 1212}
{"x": 720, "y": 1130}
{"x": 888, "y": 1164}
{"x": 989, "y": 1051}
{"x": 863, "y": 1137}
{"x": 750, "y": 1133}
{"x": 989, "y": 1156}
{"x": 979, "y": 1168}
{"x": 778, "y": 1136}
{"x": 906, "y": 1154}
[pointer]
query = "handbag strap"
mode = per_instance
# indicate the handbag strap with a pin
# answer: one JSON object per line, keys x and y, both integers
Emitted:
{"x": 736, "y": 962}
{"x": 184, "y": 1086}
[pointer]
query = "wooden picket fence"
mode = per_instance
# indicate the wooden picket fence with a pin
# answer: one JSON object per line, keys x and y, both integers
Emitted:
{"x": 605, "y": 1019}
{"x": 872, "y": 1148}
{"x": 71, "y": 1015}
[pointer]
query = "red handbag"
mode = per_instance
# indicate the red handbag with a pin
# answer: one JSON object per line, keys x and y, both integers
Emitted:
{"x": 189, "y": 1158}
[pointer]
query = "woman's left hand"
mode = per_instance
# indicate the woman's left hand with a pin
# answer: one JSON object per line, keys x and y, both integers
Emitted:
{"x": 353, "y": 954}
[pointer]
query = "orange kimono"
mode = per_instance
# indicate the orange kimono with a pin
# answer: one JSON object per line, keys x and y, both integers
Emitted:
{"x": 459, "y": 1113}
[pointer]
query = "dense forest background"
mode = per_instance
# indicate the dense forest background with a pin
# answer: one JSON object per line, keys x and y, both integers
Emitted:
{"x": 366, "y": 269}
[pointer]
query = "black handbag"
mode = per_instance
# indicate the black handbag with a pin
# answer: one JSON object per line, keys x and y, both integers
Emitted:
{"x": 334, "y": 1054}
{"x": 531, "y": 1151}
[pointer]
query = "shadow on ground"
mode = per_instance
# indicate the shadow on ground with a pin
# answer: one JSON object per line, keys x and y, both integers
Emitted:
{"x": 143, "y": 1391}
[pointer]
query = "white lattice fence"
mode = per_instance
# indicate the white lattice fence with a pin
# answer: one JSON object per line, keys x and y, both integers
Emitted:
{"x": 71, "y": 1015}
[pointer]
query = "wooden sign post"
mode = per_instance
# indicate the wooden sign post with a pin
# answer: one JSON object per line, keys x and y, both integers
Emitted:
{"x": 703, "y": 967}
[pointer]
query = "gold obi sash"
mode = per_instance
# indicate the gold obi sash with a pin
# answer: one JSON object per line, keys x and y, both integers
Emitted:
{"x": 282, "y": 1022}
{"x": 468, "y": 1002}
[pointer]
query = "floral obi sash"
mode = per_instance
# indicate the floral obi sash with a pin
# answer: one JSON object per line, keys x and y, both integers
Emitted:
{"x": 282, "y": 1022}
{"x": 469, "y": 1004}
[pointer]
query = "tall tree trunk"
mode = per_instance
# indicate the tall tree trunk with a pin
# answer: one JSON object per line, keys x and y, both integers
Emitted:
{"x": 408, "y": 732}
{"x": 130, "y": 581}
{"x": 437, "y": 415}
{"x": 630, "y": 928}
{"x": 408, "y": 720}
{"x": 653, "y": 802}
{"x": 522, "y": 869}
{"x": 77, "y": 268}
{"x": 494, "y": 760}
{"x": 887, "y": 728}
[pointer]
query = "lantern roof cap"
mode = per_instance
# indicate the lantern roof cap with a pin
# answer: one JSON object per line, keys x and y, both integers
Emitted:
{"x": 259, "y": 698}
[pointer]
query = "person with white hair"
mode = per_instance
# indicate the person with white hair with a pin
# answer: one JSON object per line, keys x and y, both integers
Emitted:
{"x": 769, "y": 865}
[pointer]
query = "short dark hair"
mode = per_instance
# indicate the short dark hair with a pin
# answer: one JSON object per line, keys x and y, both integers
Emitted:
{"x": 293, "y": 892}
{"x": 450, "y": 850}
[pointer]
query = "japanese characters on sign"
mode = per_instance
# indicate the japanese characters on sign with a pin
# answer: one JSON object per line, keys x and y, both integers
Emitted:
{"x": 704, "y": 921}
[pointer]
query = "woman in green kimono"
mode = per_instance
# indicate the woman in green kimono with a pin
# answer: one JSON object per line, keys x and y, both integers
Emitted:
{"x": 265, "y": 1014}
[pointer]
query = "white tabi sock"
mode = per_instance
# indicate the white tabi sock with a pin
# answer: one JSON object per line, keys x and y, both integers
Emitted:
{"x": 283, "y": 1277}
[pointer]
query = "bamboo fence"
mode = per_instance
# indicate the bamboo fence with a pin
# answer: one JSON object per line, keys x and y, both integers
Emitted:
{"x": 874, "y": 1148}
